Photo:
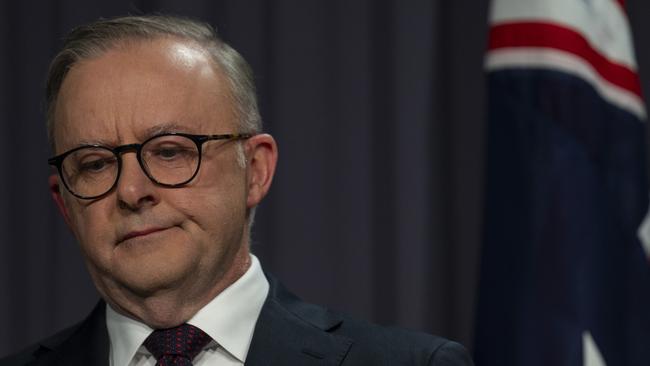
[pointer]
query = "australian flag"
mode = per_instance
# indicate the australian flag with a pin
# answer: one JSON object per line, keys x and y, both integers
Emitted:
{"x": 565, "y": 275}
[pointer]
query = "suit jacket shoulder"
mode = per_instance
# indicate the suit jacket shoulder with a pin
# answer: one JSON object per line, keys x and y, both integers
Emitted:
{"x": 376, "y": 345}
{"x": 292, "y": 332}
{"x": 85, "y": 343}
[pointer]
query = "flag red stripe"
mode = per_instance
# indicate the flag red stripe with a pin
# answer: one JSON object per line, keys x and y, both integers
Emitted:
{"x": 546, "y": 35}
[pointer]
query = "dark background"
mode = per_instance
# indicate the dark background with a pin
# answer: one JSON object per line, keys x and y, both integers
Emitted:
{"x": 378, "y": 110}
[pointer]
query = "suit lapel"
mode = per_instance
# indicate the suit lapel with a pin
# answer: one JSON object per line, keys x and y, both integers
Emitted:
{"x": 291, "y": 332}
{"x": 88, "y": 344}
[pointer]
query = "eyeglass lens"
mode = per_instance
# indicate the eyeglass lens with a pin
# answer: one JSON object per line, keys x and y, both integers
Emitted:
{"x": 168, "y": 160}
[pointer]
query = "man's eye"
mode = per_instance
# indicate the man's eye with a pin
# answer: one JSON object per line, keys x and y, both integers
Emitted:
{"x": 171, "y": 153}
{"x": 95, "y": 165}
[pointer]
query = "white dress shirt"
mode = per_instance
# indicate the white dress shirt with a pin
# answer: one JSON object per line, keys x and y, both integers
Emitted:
{"x": 229, "y": 319}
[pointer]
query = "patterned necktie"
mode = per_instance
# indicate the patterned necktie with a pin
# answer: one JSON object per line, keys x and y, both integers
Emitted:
{"x": 176, "y": 346}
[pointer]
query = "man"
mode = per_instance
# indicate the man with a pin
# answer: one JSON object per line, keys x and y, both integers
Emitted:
{"x": 160, "y": 162}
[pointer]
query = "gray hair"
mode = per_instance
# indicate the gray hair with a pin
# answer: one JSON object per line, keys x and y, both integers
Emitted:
{"x": 94, "y": 39}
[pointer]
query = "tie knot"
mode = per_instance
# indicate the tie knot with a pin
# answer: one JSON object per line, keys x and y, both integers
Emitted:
{"x": 184, "y": 341}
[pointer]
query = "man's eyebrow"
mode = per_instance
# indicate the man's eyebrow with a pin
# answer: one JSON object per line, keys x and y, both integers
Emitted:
{"x": 99, "y": 142}
{"x": 167, "y": 127}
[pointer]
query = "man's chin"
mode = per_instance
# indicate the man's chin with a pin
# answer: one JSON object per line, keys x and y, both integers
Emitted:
{"x": 145, "y": 284}
{"x": 146, "y": 272}
{"x": 153, "y": 283}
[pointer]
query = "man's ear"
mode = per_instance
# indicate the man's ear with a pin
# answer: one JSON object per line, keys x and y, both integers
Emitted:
{"x": 55, "y": 190}
{"x": 262, "y": 156}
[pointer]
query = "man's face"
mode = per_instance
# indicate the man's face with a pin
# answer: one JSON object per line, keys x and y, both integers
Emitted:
{"x": 142, "y": 240}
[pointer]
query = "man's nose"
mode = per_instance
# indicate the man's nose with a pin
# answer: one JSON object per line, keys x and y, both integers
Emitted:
{"x": 134, "y": 189}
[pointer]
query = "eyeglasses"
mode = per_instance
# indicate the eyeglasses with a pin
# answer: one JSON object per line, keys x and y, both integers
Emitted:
{"x": 169, "y": 160}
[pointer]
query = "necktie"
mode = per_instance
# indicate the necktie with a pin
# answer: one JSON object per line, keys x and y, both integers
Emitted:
{"x": 176, "y": 346}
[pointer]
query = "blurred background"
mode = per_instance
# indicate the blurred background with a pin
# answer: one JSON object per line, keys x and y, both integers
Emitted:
{"x": 378, "y": 107}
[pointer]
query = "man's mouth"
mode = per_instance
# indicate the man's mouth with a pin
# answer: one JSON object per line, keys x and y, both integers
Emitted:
{"x": 140, "y": 233}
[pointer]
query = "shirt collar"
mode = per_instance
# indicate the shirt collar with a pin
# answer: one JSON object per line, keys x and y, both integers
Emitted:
{"x": 229, "y": 319}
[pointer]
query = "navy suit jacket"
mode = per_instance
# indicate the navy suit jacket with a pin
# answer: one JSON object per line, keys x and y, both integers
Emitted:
{"x": 288, "y": 332}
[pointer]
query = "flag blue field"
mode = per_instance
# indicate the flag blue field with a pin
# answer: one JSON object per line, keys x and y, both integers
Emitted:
{"x": 565, "y": 278}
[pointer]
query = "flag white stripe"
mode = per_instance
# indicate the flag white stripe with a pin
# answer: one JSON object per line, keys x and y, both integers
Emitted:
{"x": 602, "y": 22}
{"x": 643, "y": 233}
{"x": 591, "y": 355}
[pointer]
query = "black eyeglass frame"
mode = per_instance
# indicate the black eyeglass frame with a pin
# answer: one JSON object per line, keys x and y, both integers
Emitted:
{"x": 199, "y": 140}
